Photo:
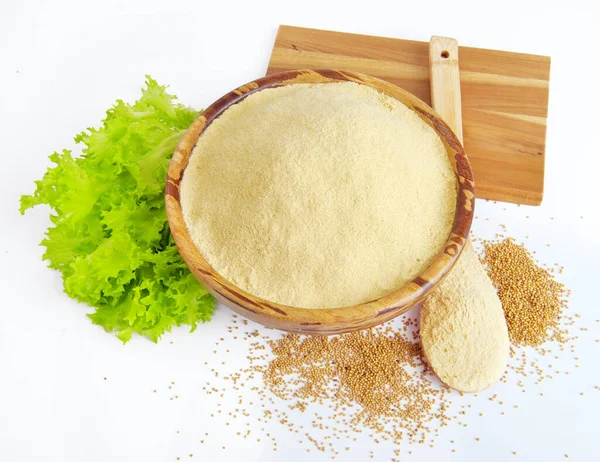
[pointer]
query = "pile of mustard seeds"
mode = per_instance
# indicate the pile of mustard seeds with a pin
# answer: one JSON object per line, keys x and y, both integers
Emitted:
{"x": 535, "y": 306}
{"x": 375, "y": 379}
{"x": 533, "y": 300}
{"x": 372, "y": 383}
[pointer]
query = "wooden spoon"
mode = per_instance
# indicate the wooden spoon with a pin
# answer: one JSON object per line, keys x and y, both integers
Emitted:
{"x": 463, "y": 329}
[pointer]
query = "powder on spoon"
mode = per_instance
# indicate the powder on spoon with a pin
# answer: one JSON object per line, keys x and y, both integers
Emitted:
{"x": 319, "y": 195}
{"x": 463, "y": 331}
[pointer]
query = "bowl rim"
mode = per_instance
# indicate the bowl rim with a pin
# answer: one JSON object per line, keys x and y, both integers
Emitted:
{"x": 323, "y": 320}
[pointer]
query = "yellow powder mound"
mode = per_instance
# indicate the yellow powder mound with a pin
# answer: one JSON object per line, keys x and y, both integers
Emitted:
{"x": 463, "y": 330}
{"x": 319, "y": 196}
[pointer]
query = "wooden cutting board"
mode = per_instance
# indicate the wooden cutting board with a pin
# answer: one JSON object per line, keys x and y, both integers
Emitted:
{"x": 504, "y": 98}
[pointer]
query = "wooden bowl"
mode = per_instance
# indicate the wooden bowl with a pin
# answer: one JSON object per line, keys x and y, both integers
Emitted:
{"x": 335, "y": 320}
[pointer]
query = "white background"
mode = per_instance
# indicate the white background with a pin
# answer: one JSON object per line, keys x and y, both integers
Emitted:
{"x": 62, "y": 64}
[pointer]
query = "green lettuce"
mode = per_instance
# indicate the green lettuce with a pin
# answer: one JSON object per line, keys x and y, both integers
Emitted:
{"x": 110, "y": 237}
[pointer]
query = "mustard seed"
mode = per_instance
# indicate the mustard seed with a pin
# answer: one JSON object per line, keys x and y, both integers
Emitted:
{"x": 533, "y": 301}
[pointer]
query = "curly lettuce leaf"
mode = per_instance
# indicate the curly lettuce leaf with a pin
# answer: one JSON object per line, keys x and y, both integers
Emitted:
{"x": 110, "y": 238}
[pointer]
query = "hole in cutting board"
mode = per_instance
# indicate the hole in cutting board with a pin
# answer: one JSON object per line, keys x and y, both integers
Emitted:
{"x": 445, "y": 54}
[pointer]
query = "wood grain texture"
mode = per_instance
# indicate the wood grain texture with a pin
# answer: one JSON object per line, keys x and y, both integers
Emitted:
{"x": 504, "y": 98}
{"x": 443, "y": 80}
{"x": 322, "y": 321}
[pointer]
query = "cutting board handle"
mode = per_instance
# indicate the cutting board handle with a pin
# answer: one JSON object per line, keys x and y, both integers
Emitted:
{"x": 445, "y": 82}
